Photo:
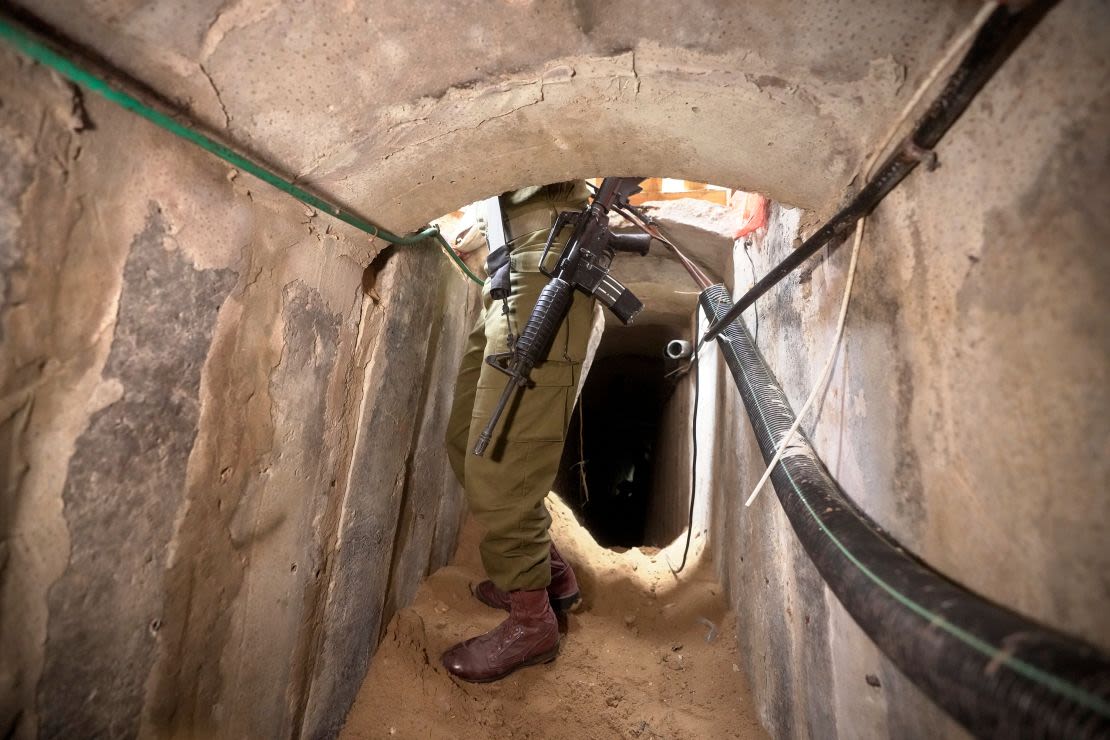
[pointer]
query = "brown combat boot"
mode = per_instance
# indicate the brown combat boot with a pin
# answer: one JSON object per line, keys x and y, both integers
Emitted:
{"x": 529, "y": 636}
{"x": 563, "y": 589}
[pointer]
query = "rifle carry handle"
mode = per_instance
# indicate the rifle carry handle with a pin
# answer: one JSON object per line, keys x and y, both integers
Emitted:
{"x": 561, "y": 221}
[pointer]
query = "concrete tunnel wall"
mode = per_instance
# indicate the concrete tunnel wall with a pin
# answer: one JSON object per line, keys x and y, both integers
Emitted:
{"x": 967, "y": 411}
{"x": 203, "y": 531}
{"x": 166, "y": 514}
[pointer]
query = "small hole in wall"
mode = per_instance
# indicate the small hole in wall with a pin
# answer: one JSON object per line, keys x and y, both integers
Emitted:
{"x": 155, "y": 625}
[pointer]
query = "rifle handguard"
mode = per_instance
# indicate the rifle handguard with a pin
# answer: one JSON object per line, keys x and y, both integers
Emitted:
{"x": 535, "y": 339}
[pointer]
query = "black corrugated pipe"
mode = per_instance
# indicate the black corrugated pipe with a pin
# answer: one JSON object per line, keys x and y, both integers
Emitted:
{"x": 996, "y": 672}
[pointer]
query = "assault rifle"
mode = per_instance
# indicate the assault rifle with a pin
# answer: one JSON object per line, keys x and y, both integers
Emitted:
{"x": 583, "y": 265}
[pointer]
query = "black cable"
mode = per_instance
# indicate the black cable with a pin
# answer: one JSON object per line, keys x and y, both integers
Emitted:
{"x": 693, "y": 451}
{"x": 1002, "y": 33}
{"x": 992, "y": 669}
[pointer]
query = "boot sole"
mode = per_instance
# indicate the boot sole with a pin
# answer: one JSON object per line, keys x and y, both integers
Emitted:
{"x": 547, "y": 657}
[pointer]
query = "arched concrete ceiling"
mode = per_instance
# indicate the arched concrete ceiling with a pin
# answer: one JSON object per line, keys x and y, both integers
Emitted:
{"x": 408, "y": 111}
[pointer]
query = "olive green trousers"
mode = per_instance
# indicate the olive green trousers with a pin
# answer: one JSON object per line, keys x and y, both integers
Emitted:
{"x": 506, "y": 488}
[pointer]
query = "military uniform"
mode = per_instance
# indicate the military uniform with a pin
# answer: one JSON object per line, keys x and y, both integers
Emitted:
{"x": 506, "y": 488}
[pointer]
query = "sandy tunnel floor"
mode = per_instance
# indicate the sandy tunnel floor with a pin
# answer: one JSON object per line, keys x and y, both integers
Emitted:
{"x": 645, "y": 656}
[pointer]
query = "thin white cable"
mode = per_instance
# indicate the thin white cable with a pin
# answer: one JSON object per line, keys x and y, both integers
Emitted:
{"x": 582, "y": 452}
{"x": 954, "y": 48}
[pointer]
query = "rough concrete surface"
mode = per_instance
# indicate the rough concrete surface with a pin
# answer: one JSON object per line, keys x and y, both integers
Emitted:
{"x": 383, "y": 107}
{"x": 966, "y": 413}
{"x": 124, "y": 484}
{"x": 188, "y": 360}
{"x": 381, "y": 503}
{"x": 290, "y": 492}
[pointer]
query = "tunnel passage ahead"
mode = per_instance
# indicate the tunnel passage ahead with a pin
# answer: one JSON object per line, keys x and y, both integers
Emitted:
{"x": 613, "y": 437}
{"x": 942, "y": 358}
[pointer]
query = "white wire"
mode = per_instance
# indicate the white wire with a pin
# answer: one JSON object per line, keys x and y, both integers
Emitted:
{"x": 954, "y": 48}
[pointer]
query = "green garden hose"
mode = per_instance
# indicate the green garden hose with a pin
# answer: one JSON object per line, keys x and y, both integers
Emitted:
{"x": 36, "y": 50}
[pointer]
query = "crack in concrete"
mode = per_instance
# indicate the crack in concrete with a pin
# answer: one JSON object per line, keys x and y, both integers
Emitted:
{"x": 567, "y": 73}
{"x": 219, "y": 98}
{"x": 482, "y": 122}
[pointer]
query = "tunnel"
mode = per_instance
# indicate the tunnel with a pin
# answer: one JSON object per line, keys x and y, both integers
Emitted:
{"x": 619, "y": 444}
{"x": 627, "y": 394}
{"x": 229, "y": 344}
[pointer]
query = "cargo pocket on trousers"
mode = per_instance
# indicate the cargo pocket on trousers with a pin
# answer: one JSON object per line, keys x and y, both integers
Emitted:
{"x": 540, "y": 412}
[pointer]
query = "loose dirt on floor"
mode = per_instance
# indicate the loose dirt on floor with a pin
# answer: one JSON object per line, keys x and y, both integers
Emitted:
{"x": 646, "y": 656}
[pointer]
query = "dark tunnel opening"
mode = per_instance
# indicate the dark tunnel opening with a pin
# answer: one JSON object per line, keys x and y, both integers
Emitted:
{"x": 608, "y": 473}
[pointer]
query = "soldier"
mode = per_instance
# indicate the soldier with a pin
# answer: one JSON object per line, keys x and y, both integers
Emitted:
{"x": 506, "y": 488}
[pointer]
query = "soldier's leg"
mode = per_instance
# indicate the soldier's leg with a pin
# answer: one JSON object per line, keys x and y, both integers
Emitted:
{"x": 462, "y": 407}
{"x": 507, "y": 487}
